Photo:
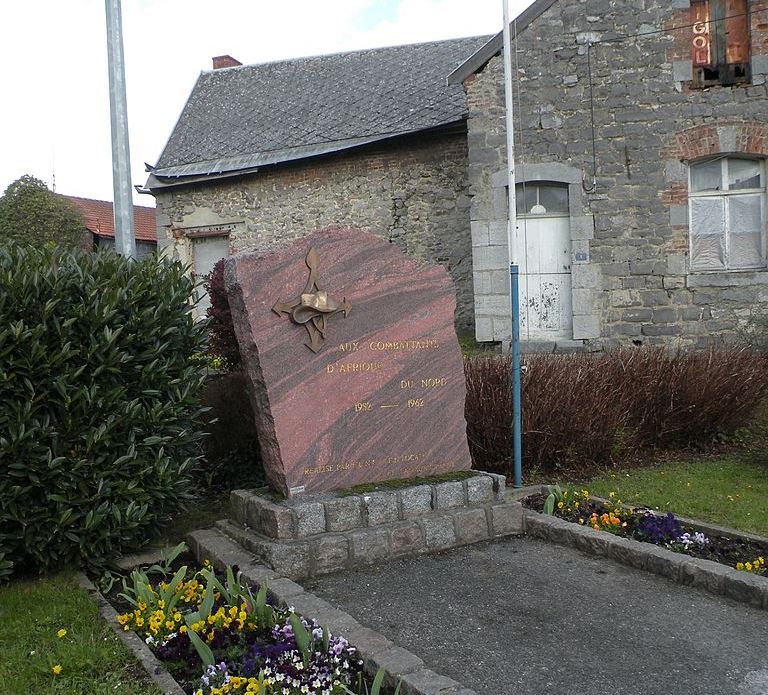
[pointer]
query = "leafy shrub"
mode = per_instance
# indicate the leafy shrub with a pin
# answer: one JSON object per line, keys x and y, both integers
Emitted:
{"x": 223, "y": 342}
{"x": 232, "y": 455}
{"x": 595, "y": 409}
{"x": 99, "y": 410}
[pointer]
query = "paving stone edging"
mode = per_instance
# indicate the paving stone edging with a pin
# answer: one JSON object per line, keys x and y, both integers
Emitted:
{"x": 711, "y": 576}
{"x": 376, "y": 650}
{"x": 148, "y": 661}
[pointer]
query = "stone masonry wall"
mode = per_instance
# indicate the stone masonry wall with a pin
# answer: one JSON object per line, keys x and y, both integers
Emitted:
{"x": 414, "y": 193}
{"x": 635, "y": 285}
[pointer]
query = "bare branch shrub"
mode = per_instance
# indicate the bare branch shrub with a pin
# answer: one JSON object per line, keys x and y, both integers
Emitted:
{"x": 597, "y": 409}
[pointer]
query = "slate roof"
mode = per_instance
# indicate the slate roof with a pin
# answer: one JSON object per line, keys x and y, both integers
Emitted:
{"x": 99, "y": 219}
{"x": 244, "y": 117}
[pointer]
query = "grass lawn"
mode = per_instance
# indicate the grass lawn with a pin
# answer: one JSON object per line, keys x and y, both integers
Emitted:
{"x": 722, "y": 491}
{"x": 93, "y": 660}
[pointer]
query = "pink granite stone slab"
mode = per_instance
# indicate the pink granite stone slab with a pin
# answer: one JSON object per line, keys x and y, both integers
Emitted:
{"x": 383, "y": 397}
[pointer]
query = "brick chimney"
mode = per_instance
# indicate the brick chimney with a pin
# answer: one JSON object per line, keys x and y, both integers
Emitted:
{"x": 225, "y": 62}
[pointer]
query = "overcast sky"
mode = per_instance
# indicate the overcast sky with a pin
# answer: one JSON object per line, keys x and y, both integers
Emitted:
{"x": 54, "y": 116}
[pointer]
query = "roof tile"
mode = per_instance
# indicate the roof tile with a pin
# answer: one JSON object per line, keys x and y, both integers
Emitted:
{"x": 99, "y": 218}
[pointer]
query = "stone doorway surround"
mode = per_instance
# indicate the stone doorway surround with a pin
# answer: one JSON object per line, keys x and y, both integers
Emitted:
{"x": 490, "y": 255}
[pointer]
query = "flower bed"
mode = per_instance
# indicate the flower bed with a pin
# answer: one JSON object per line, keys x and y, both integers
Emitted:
{"x": 217, "y": 636}
{"x": 611, "y": 516}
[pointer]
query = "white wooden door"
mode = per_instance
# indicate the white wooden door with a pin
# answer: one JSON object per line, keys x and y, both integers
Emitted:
{"x": 207, "y": 252}
{"x": 546, "y": 305}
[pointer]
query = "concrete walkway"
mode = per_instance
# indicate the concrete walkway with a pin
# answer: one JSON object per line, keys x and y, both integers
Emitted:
{"x": 521, "y": 616}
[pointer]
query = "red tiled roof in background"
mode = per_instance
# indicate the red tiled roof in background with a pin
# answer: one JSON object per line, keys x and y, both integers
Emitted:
{"x": 99, "y": 218}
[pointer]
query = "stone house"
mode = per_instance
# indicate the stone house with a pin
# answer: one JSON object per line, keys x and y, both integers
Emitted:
{"x": 374, "y": 139}
{"x": 640, "y": 160}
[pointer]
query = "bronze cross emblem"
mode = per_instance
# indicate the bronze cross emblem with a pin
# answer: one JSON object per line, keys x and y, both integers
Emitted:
{"x": 313, "y": 307}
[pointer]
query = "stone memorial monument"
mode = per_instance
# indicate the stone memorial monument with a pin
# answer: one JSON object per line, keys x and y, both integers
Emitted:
{"x": 356, "y": 377}
{"x": 352, "y": 356}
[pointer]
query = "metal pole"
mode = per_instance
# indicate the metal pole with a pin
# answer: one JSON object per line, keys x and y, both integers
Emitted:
{"x": 514, "y": 275}
{"x": 517, "y": 420}
{"x": 125, "y": 242}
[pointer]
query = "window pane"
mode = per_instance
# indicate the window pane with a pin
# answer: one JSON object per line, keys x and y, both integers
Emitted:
{"x": 707, "y": 233}
{"x": 707, "y": 176}
{"x": 525, "y": 200}
{"x": 554, "y": 198}
{"x": 542, "y": 199}
{"x": 746, "y": 228}
{"x": 743, "y": 173}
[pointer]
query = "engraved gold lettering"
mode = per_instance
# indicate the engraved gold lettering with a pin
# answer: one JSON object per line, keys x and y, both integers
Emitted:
{"x": 411, "y": 458}
{"x": 415, "y": 402}
{"x": 348, "y": 347}
{"x": 383, "y": 345}
{"x": 357, "y": 367}
{"x": 329, "y": 368}
{"x": 406, "y": 384}
{"x": 318, "y": 469}
{"x": 433, "y": 383}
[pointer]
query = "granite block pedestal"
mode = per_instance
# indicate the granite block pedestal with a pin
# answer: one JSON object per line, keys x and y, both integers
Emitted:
{"x": 316, "y": 534}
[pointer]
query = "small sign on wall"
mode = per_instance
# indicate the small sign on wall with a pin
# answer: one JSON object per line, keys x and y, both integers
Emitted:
{"x": 581, "y": 257}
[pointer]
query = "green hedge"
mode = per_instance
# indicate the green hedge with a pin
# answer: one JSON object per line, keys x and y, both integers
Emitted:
{"x": 99, "y": 403}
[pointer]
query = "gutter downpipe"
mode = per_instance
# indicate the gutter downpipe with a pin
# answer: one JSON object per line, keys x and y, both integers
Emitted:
{"x": 514, "y": 268}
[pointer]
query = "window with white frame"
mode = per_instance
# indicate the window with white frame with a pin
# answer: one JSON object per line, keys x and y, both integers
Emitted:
{"x": 727, "y": 214}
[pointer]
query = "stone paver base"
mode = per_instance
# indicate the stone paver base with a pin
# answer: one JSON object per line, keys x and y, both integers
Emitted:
{"x": 277, "y": 542}
{"x": 271, "y": 541}
{"x": 313, "y": 535}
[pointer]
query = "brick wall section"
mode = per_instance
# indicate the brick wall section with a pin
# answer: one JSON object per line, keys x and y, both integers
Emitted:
{"x": 647, "y": 120}
{"x": 744, "y": 137}
{"x": 414, "y": 193}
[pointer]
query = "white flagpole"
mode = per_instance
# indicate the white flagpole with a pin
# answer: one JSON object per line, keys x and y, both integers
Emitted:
{"x": 509, "y": 109}
{"x": 514, "y": 274}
